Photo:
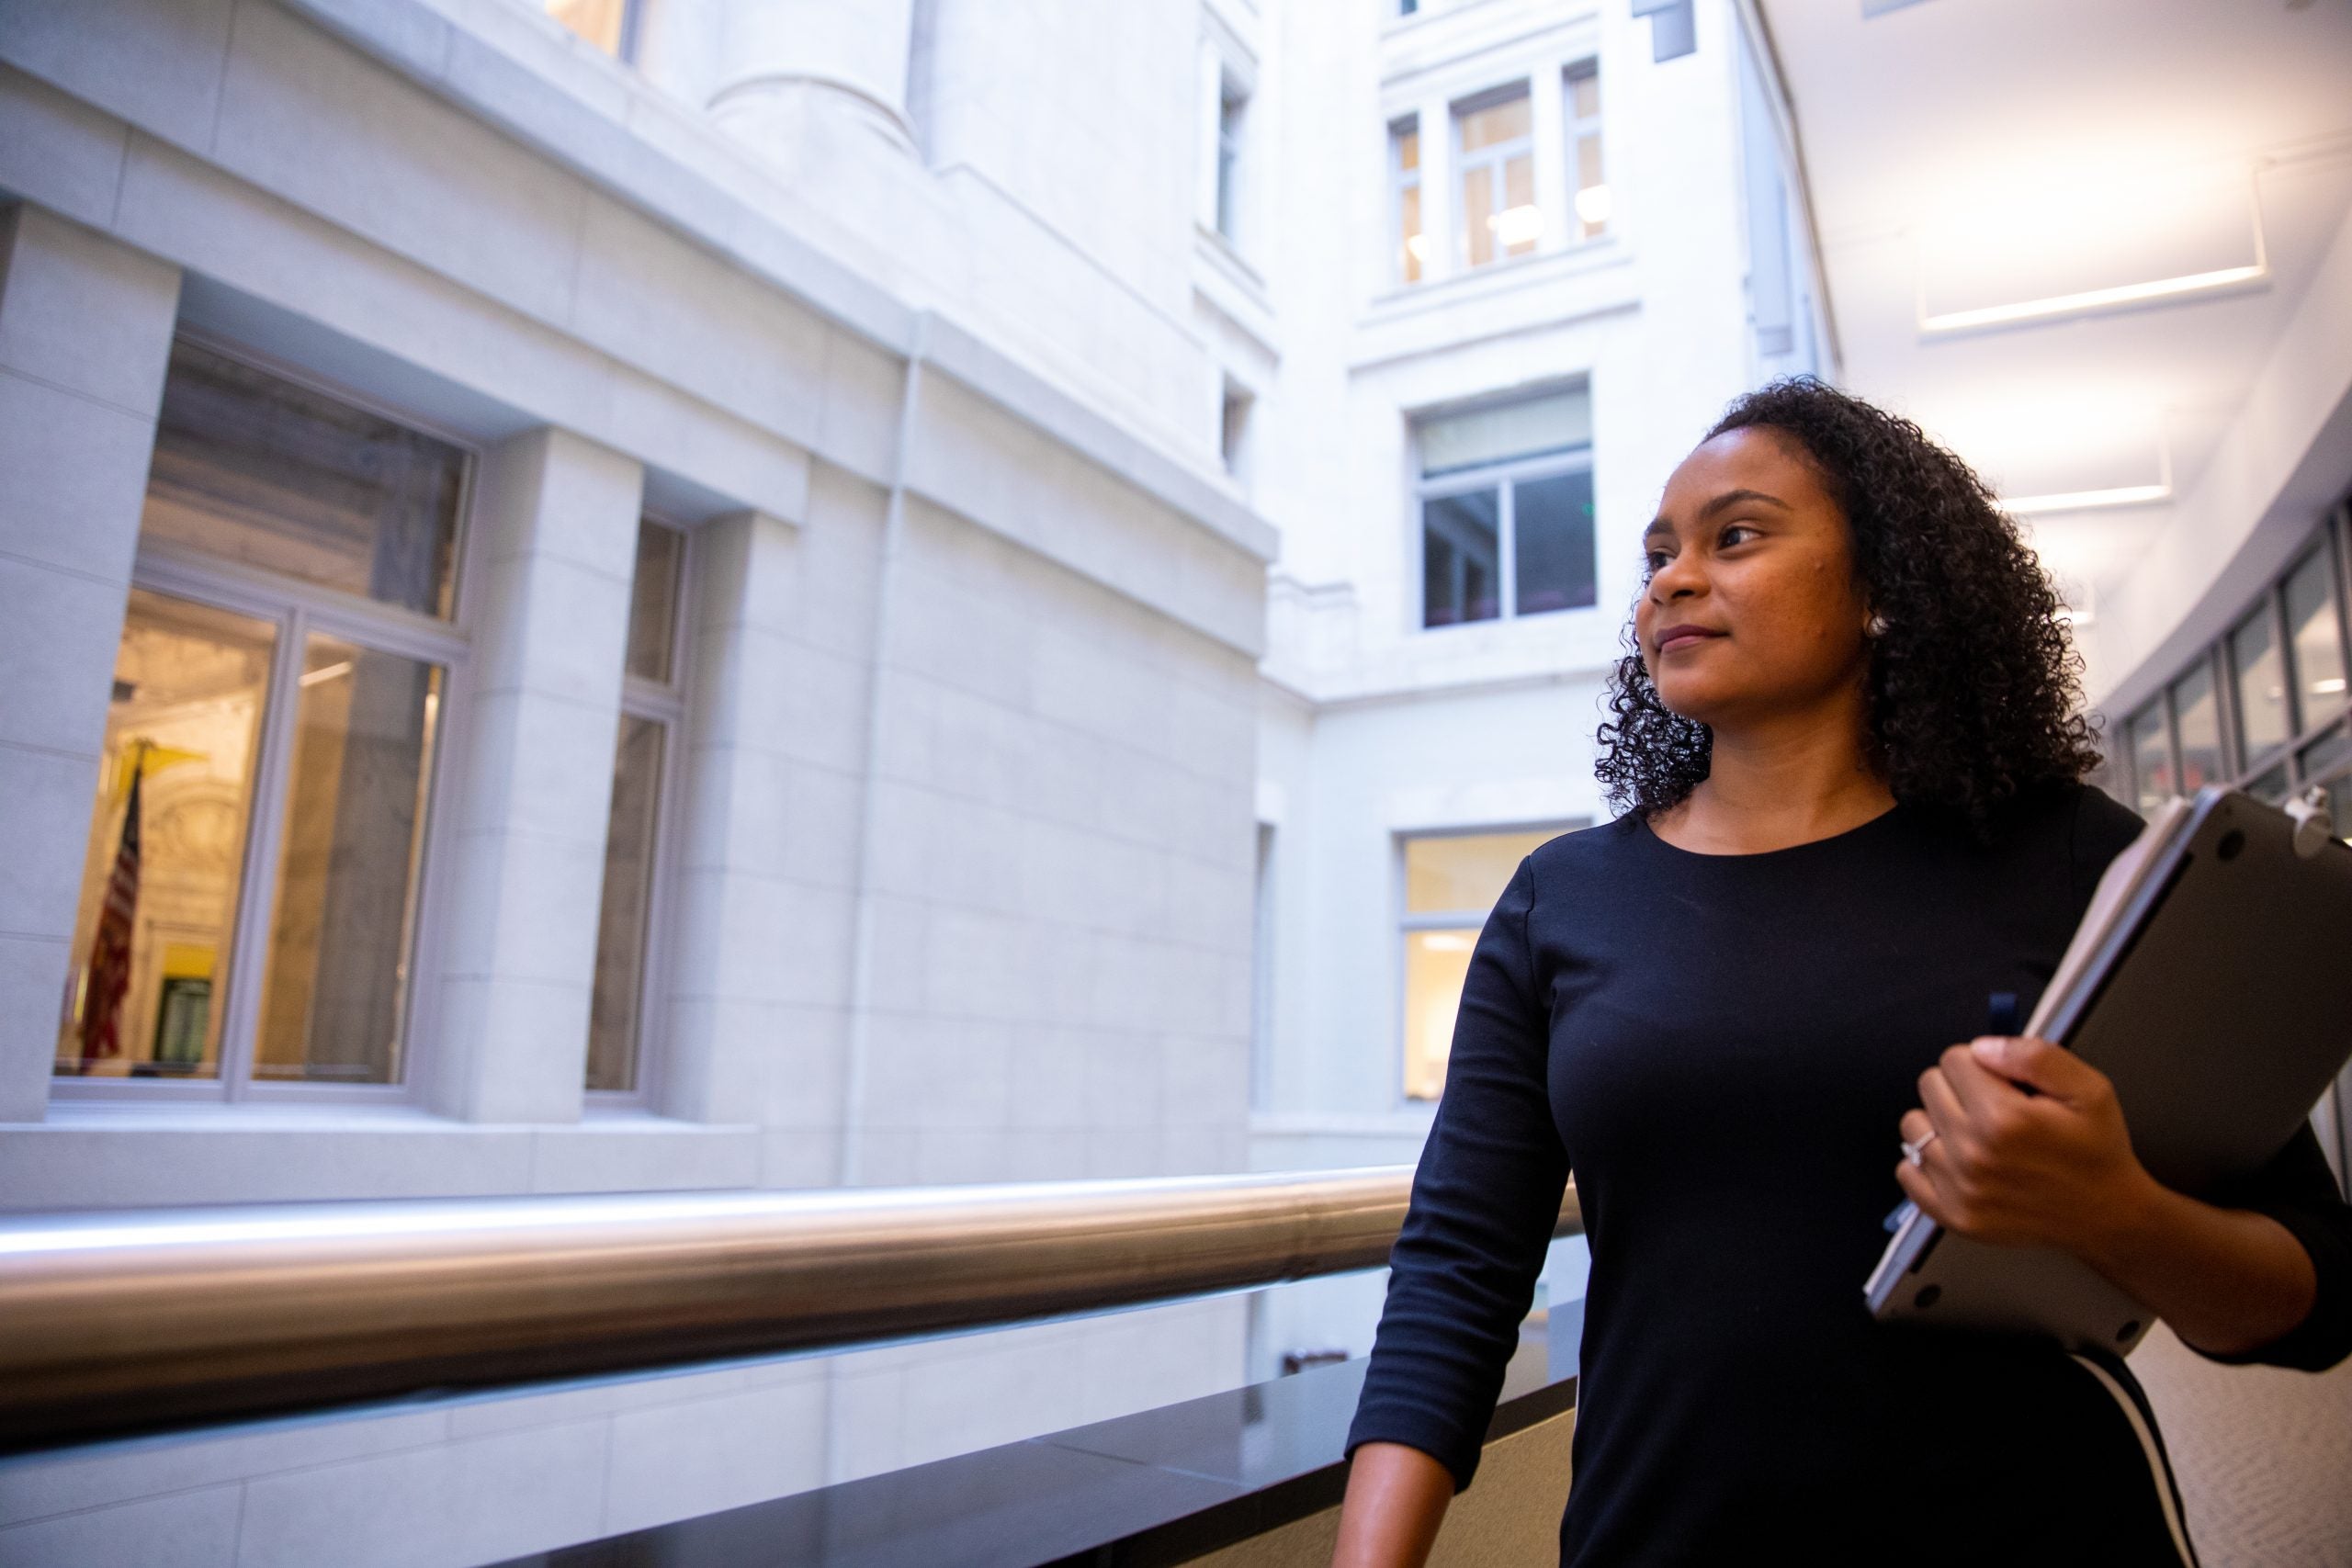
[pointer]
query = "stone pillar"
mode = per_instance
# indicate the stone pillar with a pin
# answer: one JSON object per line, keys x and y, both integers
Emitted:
{"x": 534, "y": 778}
{"x": 781, "y": 61}
{"x": 751, "y": 1031}
{"x": 86, "y": 333}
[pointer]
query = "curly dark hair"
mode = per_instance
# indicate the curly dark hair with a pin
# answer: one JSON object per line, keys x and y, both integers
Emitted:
{"x": 1973, "y": 689}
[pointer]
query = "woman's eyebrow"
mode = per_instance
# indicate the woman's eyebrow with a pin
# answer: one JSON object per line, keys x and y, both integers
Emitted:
{"x": 1731, "y": 498}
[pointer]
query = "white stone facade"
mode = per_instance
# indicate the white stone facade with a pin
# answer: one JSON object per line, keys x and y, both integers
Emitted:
{"x": 956, "y": 877}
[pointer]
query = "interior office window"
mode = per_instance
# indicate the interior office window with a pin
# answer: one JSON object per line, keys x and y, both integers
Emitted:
{"x": 1451, "y": 883}
{"x": 1507, "y": 509}
{"x": 249, "y": 884}
{"x": 2199, "y": 719}
{"x": 1591, "y": 201}
{"x": 2315, "y": 638}
{"x": 608, "y": 24}
{"x": 2150, "y": 741}
{"x": 2259, "y": 671}
{"x": 1405, "y": 173}
{"x": 652, "y": 707}
{"x": 1495, "y": 150}
{"x": 1232, "y": 111}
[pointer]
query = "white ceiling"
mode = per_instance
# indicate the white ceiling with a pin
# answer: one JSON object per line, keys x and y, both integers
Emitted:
{"x": 1973, "y": 152}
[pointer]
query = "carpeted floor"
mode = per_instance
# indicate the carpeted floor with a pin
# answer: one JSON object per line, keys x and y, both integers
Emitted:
{"x": 2264, "y": 1456}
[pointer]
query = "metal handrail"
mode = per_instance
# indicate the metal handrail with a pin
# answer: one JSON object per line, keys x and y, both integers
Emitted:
{"x": 115, "y": 1321}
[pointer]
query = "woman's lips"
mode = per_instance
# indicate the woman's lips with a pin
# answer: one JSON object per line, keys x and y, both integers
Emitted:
{"x": 1684, "y": 637}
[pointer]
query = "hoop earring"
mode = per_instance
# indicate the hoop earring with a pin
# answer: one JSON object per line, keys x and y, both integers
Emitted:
{"x": 1877, "y": 627}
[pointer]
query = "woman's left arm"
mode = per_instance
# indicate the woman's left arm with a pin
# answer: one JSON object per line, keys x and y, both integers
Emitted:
{"x": 2055, "y": 1168}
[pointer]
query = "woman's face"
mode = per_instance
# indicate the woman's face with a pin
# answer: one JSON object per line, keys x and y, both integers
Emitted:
{"x": 1751, "y": 608}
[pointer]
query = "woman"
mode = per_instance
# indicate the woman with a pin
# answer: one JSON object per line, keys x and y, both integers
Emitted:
{"x": 1846, "y": 746}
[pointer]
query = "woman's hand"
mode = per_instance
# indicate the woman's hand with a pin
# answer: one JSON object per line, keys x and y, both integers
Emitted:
{"x": 2020, "y": 1170}
{"x": 2055, "y": 1168}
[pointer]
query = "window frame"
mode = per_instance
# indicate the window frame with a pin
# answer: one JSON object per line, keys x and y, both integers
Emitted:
{"x": 1505, "y": 477}
{"x": 295, "y": 608}
{"x": 1497, "y": 158}
{"x": 2240, "y": 770}
{"x": 625, "y": 48}
{"x": 1402, "y": 180}
{"x": 665, "y": 704}
{"x": 1576, "y": 130}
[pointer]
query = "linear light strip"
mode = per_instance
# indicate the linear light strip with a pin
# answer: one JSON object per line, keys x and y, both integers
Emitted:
{"x": 2085, "y": 499}
{"x": 2092, "y": 299}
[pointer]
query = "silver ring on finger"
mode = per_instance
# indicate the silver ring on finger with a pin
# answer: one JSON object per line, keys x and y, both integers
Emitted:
{"x": 1912, "y": 1149}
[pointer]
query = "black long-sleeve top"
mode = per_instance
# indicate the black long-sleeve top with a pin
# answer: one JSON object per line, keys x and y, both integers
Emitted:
{"x": 1720, "y": 1048}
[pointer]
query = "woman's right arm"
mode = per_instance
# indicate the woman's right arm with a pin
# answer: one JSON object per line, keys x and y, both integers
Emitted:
{"x": 1463, "y": 1269}
{"x": 1396, "y": 1498}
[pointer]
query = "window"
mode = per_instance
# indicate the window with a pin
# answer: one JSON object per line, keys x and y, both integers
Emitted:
{"x": 249, "y": 888}
{"x": 2258, "y": 670}
{"x": 1233, "y": 432}
{"x": 2315, "y": 638}
{"x": 1506, "y": 505}
{"x": 651, "y": 707}
{"x": 1591, "y": 202}
{"x": 2150, "y": 744}
{"x": 609, "y": 26}
{"x": 1404, "y": 172}
{"x": 1495, "y": 150}
{"x": 2199, "y": 723}
{"x": 1232, "y": 107}
{"x": 2286, "y": 723}
{"x": 1451, "y": 885}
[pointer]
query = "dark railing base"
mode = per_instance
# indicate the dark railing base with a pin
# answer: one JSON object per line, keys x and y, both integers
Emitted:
{"x": 1211, "y": 1480}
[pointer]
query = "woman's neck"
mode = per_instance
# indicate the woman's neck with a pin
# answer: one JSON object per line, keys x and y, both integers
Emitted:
{"x": 1772, "y": 785}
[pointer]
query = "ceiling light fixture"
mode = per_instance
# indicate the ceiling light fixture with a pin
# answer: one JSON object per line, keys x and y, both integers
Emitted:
{"x": 2094, "y": 298}
{"x": 2086, "y": 499}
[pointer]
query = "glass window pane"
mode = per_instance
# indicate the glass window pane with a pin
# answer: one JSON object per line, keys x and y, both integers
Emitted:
{"x": 1409, "y": 145}
{"x": 2261, "y": 677}
{"x": 653, "y": 601}
{"x": 2151, "y": 757}
{"x": 1408, "y": 206}
{"x": 1592, "y": 190}
{"x": 1478, "y": 214}
{"x": 2271, "y": 787}
{"x": 256, "y": 470}
{"x": 1521, "y": 222}
{"x": 1500, "y": 433}
{"x": 1464, "y": 871}
{"x": 335, "y": 992}
{"x": 2201, "y": 729}
{"x": 598, "y": 22}
{"x": 2327, "y": 753}
{"x": 1495, "y": 123}
{"x": 1584, "y": 94}
{"x": 1551, "y": 543}
{"x": 2318, "y": 643}
{"x": 1436, "y": 963}
{"x": 1460, "y": 574}
{"x": 143, "y": 995}
{"x": 617, "y": 1003}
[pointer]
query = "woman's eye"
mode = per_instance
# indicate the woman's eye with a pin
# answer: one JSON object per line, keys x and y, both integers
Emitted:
{"x": 1654, "y": 562}
{"x": 1737, "y": 534}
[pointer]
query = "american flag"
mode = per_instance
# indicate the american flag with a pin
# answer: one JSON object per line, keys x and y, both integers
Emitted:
{"x": 110, "y": 949}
